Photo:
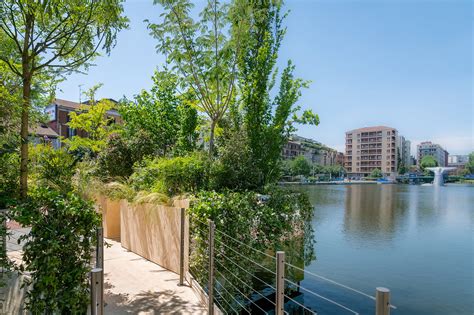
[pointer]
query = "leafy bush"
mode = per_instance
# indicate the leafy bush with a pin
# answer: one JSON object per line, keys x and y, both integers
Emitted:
{"x": 9, "y": 177}
{"x": 376, "y": 173}
{"x": 51, "y": 167}
{"x": 234, "y": 169}
{"x": 300, "y": 166}
{"x": 171, "y": 175}
{"x": 57, "y": 251}
{"x": 245, "y": 217}
{"x": 116, "y": 159}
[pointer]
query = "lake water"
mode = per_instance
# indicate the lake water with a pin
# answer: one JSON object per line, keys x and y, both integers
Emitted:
{"x": 415, "y": 240}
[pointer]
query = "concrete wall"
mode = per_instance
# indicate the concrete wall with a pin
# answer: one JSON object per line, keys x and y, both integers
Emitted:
{"x": 153, "y": 232}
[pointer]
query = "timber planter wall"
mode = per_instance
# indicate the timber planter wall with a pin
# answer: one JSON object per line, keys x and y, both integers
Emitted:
{"x": 153, "y": 232}
{"x": 110, "y": 210}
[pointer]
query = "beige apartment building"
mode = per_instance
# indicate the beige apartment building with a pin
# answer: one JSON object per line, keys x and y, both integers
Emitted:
{"x": 370, "y": 148}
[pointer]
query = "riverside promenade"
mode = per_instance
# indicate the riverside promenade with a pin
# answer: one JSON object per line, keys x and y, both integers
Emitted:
{"x": 132, "y": 284}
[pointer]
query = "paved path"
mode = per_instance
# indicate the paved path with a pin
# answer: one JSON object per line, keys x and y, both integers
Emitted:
{"x": 134, "y": 285}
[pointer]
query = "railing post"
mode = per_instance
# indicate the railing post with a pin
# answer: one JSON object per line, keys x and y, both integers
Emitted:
{"x": 181, "y": 249}
{"x": 100, "y": 248}
{"x": 382, "y": 301}
{"x": 280, "y": 283}
{"x": 97, "y": 291}
{"x": 210, "y": 285}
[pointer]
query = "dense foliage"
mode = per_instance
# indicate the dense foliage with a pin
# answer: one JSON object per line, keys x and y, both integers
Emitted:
{"x": 163, "y": 116}
{"x": 53, "y": 38}
{"x": 52, "y": 168}
{"x": 376, "y": 173}
{"x": 57, "y": 251}
{"x": 267, "y": 122}
{"x": 246, "y": 225}
{"x": 171, "y": 176}
{"x": 224, "y": 66}
{"x": 428, "y": 161}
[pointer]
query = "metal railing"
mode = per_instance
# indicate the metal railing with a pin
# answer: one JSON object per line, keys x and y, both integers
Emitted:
{"x": 230, "y": 282}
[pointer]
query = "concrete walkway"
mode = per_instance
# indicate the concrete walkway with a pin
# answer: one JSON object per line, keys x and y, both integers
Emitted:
{"x": 134, "y": 285}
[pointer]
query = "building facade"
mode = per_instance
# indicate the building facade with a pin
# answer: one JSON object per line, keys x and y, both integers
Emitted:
{"x": 58, "y": 117}
{"x": 371, "y": 148}
{"x": 433, "y": 149}
{"x": 313, "y": 151}
{"x": 458, "y": 161}
{"x": 405, "y": 154}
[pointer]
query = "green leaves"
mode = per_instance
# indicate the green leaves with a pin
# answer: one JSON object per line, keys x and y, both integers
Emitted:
{"x": 57, "y": 251}
{"x": 242, "y": 218}
{"x": 92, "y": 120}
{"x": 204, "y": 53}
{"x": 428, "y": 161}
{"x": 167, "y": 118}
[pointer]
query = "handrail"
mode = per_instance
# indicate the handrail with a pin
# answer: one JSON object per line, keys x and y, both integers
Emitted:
{"x": 241, "y": 293}
{"x": 336, "y": 283}
{"x": 234, "y": 249}
{"x": 322, "y": 297}
{"x": 254, "y": 262}
{"x": 246, "y": 284}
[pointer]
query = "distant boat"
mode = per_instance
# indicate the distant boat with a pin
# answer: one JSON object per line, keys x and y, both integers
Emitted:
{"x": 427, "y": 184}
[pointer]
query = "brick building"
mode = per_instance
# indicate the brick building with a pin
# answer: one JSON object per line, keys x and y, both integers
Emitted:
{"x": 58, "y": 117}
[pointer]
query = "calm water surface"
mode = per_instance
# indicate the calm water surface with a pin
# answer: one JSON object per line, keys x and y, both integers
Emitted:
{"x": 415, "y": 240}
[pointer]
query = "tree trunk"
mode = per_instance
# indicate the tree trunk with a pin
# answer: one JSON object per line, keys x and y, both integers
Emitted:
{"x": 24, "y": 134}
{"x": 211, "y": 138}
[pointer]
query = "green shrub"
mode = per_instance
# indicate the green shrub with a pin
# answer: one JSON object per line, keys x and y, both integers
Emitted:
{"x": 116, "y": 158}
{"x": 57, "y": 251}
{"x": 247, "y": 218}
{"x": 171, "y": 175}
{"x": 9, "y": 177}
{"x": 51, "y": 167}
{"x": 235, "y": 168}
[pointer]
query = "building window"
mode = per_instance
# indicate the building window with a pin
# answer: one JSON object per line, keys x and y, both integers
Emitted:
{"x": 71, "y": 132}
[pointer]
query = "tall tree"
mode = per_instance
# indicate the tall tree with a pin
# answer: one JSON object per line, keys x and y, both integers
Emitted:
{"x": 203, "y": 52}
{"x": 56, "y": 37}
{"x": 163, "y": 114}
{"x": 268, "y": 122}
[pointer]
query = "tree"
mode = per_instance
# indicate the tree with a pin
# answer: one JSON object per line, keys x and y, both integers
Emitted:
{"x": 470, "y": 163}
{"x": 300, "y": 166}
{"x": 55, "y": 37}
{"x": 203, "y": 52}
{"x": 267, "y": 122}
{"x": 376, "y": 173}
{"x": 168, "y": 119}
{"x": 428, "y": 161}
{"x": 92, "y": 119}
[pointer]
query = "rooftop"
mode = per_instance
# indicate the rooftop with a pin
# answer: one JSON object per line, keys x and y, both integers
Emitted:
{"x": 369, "y": 129}
{"x": 42, "y": 130}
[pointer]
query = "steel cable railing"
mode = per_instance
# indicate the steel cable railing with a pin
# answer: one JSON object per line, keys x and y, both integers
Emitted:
{"x": 230, "y": 294}
{"x": 335, "y": 283}
{"x": 243, "y": 295}
{"x": 246, "y": 284}
{"x": 242, "y": 258}
{"x": 322, "y": 297}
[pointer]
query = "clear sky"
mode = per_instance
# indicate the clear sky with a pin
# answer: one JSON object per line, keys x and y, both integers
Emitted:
{"x": 401, "y": 63}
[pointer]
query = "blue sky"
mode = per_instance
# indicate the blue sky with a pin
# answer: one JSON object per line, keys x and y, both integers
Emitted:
{"x": 404, "y": 64}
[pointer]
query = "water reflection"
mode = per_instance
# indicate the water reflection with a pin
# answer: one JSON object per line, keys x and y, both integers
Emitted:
{"x": 415, "y": 240}
{"x": 374, "y": 211}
